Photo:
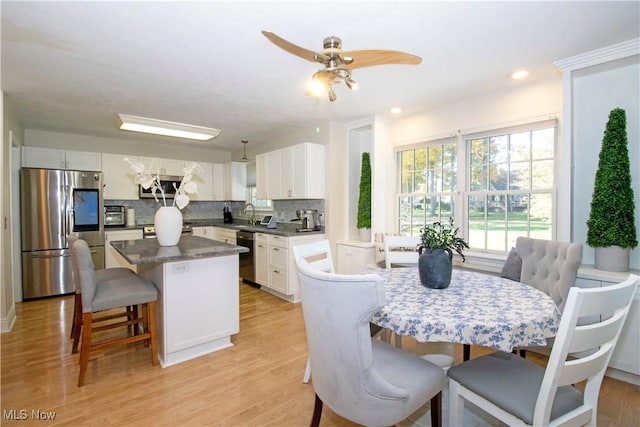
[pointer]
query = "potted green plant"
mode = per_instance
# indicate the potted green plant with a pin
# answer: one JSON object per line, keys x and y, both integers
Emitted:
{"x": 611, "y": 229}
{"x": 364, "y": 199}
{"x": 436, "y": 253}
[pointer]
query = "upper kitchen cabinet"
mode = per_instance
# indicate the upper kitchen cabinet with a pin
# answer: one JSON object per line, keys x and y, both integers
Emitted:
{"x": 49, "y": 158}
{"x": 164, "y": 166}
{"x": 204, "y": 180}
{"x": 296, "y": 172}
{"x": 235, "y": 174}
{"x": 118, "y": 178}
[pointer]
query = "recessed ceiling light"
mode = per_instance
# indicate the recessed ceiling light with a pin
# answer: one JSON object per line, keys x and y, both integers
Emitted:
{"x": 519, "y": 74}
{"x": 165, "y": 128}
{"x": 396, "y": 110}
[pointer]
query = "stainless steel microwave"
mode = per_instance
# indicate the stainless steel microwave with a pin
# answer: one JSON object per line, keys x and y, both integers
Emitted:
{"x": 167, "y": 183}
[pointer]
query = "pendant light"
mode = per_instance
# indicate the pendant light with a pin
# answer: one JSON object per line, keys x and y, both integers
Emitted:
{"x": 244, "y": 150}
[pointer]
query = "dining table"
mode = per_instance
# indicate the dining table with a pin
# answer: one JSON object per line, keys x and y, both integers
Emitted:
{"x": 476, "y": 309}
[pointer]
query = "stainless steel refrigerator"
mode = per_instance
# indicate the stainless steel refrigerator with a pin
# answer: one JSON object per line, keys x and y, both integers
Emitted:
{"x": 55, "y": 203}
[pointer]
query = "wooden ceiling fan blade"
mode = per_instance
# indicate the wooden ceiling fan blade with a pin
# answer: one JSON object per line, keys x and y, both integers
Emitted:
{"x": 369, "y": 58}
{"x": 303, "y": 53}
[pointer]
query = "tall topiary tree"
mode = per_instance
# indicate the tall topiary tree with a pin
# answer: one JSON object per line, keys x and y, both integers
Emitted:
{"x": 611, "y": 221}
{"x": 364, "y": 200}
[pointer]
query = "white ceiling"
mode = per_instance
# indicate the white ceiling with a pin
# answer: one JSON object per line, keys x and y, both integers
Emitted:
{"x": 72, "y": 66}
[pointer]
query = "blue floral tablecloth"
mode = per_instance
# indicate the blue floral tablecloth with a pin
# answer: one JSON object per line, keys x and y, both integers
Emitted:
{"x": 477, "y": 309}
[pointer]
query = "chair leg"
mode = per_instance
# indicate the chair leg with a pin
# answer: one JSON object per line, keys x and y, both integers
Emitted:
{"x": 466, "y": 352}
{"x": 86, "y": 347}
{"x": 317, "y": 412}
{"x": 76, "y": 327}
{"x": 151, "y": 322}
{"x": 456, "y": 404}
{"x": 307, "y": 372}
{"x": 436, "y": 410}
{"x": 398, "y": 340}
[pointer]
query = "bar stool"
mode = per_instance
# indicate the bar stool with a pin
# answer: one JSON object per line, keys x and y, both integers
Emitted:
{"x": 111, "y": 294}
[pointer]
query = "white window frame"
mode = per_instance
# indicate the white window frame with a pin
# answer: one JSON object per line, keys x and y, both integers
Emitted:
{"x": 462, "y": 195}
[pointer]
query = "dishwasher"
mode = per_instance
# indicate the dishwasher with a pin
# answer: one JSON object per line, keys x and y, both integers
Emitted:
{"x": 247, "y": 267}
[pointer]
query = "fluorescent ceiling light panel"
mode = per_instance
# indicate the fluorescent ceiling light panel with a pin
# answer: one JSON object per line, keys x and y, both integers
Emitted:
{"x": 162, "y": 127}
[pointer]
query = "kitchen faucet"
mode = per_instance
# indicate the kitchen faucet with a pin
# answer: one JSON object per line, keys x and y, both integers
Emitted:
{"x": 252, "y": 221}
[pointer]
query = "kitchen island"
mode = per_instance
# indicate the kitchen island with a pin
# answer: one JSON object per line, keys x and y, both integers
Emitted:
{"x": 198, "y": 295}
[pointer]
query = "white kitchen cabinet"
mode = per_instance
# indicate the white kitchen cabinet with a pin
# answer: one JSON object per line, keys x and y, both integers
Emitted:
{"x": 235, "y": 174}
{"x": 261, "y": 176}
{"x": 169, "y": 167}
{"x": 303, "y": 171}
{"x": 204, "y": 180}
{"x": 261, "y": 250}
{"x": 118, "y": 178}
{"x": 218, "y": 181}
{"x": 111, "y": 257}
{"x": 275, "y": 264}
{"x": 625, "y": 361}
{"x": 49, "y": 158}
{"x": 224, "y": 235}
{"x": 207, "y": 232}
{"x": 353, "y": 257}
{"x": 296, "y": 172}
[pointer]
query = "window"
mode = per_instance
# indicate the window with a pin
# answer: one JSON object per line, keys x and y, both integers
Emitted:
{"x": 507, "y": 181}
{"x": 260, "y": 205}
{"x": 428, "y": 178}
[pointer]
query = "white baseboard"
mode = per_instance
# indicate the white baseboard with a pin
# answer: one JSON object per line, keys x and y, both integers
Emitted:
{"x": 6, "y": 324}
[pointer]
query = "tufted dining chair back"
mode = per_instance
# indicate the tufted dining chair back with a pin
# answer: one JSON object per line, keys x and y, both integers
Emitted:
{"x": 550, "y": 266}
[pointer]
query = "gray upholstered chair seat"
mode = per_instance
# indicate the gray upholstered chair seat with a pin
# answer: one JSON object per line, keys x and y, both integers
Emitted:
{"x": 515, "y": 389}
{"x": 407, "y": 372}
{"x": 122, "y": 292}
{"x": 107, "y": 274}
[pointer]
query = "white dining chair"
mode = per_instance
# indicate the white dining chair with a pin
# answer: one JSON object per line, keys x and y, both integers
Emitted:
{"x": 358, "y": 377}
{"x": 318, "y": 256}
{"x": 520, "y": 392}
{"x": 401, "y": 250}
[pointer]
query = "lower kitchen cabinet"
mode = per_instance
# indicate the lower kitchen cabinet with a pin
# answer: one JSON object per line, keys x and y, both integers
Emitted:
{"x": 353, "y": 257}
{"x": 206, "y": 232}
{"x": 111, "y": 257}
{"x": 276, "y": 266}
{"x": 224, "y": 235}
{"x": 625, "y": 361}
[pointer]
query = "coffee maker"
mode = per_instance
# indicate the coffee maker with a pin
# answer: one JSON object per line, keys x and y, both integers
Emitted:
{"x": 308, "y": 218}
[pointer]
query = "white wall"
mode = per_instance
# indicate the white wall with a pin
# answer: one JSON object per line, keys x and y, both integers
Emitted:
{"x": 497, "y": 109}
{"x": 596, "y": 91}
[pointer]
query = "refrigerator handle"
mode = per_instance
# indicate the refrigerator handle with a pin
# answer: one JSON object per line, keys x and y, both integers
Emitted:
{"x": 51, "y": 256}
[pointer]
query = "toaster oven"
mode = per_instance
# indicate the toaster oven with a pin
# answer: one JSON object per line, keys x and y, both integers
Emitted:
{"x": 114, "y": 216}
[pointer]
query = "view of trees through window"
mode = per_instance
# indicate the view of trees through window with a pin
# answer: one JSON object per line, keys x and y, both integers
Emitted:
{"x": 508, "y": 183}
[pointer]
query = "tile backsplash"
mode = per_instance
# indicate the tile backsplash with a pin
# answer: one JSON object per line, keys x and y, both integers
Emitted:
{"x": 284, "y": 210}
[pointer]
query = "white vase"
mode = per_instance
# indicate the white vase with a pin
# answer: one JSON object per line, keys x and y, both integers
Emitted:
{"x": 168, "y": 224}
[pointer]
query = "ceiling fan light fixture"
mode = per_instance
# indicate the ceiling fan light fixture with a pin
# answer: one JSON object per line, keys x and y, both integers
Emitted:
{"x": 165, "y": 128}
{"x": 351, "y": 84}
{"x": 332, "y": 94}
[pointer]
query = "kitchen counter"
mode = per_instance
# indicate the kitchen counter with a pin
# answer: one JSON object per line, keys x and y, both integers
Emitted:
{"x": 285, "y": 229}
{"x": 146, "y": 251}
{"x": 198, "y": 293}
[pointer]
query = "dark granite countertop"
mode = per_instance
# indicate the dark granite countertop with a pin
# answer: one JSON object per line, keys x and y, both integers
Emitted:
{"x": 285, "y": 229}
{"x": 146, "y": 251}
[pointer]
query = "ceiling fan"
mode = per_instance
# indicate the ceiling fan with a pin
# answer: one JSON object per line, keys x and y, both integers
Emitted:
{"x": 338, "y": 63}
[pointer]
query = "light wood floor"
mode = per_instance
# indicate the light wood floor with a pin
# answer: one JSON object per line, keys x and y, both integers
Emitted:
{"x": 257, "y": 382}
